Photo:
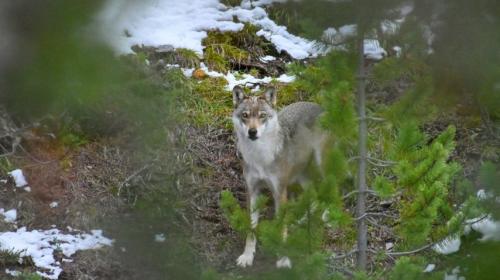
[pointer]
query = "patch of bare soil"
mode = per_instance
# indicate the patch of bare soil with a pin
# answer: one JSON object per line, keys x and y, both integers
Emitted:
{"x": 214, "y": 157}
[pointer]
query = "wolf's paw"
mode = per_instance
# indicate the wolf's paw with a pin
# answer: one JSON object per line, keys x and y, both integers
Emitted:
{"x": 245, "y": 260}
{"x": 284, "y": 262}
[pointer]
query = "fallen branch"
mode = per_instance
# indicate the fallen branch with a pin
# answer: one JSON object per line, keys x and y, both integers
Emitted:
{"x": 372, "y": 192}
{"x": 374, "y": 214}
{"x": 350, "y": 253}
{"x": 379, "y": 162}
{"x": 374, "y": 119}
{"x": 399, "y": 254}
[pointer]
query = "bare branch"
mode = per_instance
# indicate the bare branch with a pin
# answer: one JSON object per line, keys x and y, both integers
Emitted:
{"x": 399, "y": 254}
{"x": 372, "y": 192}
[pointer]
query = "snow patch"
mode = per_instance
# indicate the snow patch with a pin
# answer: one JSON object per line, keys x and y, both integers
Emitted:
{"x": 235, "y": 79}
{"x": 160, "y": 237}
{"x": 398, "y": 50}
{"x": 267, "y": 58}
{"x": 373, "y": 50}
{"x": 489, "y": 228}
{"x": 54, "y": 204}
{"x": 249, "y": 79}
{"x": 430, "y": 267}
{"x": 340, "y": 36}
{"x": 448, "y": 246}
{"x": 13, "y": 273}
{"x": 482, "y": 194}
{"x": 258, "y": 3}
{"x": 40, "y": 246}
{"x": 9, "y": 216}
{"x": 18, "y": 177}
{"x": 390, "y": 27}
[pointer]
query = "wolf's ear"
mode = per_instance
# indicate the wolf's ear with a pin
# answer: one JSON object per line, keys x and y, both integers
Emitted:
{"x": 238, "y": 95}
{"x": 270, "y": 95}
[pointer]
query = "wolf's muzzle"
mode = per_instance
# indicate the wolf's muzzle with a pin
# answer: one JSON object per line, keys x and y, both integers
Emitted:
{"x": 252, "y": 134}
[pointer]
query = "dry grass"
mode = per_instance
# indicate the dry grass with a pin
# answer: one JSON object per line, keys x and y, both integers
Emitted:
{"x": 212, "y": 153}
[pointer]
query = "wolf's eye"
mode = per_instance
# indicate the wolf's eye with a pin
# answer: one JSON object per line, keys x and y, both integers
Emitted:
{"x": 263, "y": 115}
{"x": 244, "y": 115}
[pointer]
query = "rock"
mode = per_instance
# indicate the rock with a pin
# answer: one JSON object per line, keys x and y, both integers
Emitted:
{"x": 199, "y": 74}
{"x": 165, "y": 49}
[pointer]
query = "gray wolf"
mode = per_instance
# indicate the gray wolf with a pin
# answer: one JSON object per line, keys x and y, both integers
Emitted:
{"x": 276, "y": 149}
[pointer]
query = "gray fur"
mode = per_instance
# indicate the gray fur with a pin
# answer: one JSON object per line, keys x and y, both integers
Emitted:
{"x": 298, "y": 114}
{"x": 286, "y": 143}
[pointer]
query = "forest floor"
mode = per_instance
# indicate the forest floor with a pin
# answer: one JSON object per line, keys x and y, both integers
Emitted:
{"x": 83, "y": 181}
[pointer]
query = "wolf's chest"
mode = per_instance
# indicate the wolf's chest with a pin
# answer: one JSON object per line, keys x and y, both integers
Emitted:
{"x": 260, "y": 156}
{"x": 259, "y": 152}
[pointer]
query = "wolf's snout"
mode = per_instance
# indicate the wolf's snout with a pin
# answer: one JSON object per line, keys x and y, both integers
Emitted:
{"x": 252, "y": 134}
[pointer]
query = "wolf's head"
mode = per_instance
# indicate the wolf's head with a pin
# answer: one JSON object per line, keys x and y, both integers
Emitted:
{"x": 254, "y": 116}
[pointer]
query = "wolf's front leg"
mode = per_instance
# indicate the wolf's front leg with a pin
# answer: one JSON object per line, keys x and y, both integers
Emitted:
{"x": 281, "y": 197}
{"x": 246, "y": 259}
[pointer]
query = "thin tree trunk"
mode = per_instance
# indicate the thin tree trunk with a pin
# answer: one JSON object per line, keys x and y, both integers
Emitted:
{"x": 362, "y": 149}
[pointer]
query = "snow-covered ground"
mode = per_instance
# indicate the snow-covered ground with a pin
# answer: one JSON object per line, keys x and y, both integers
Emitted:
{"x": 184, "y": 24}
{"x": 234, "y": 79}
{"x": 41, "y": 245}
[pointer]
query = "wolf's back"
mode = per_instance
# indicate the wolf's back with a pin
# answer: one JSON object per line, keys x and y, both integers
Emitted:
{"x": 298, "y": 114}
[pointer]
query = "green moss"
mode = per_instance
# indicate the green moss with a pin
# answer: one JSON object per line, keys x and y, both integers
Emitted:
{"x": 222, "y": 49}
{"x": 210, "y": 103}
{"x": 219, "y": 57}
{"x": 290, "y": 93}
{"x": 185, "y": 58}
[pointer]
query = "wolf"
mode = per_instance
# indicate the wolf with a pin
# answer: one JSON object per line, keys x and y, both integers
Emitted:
{"x": 276, "y": 150}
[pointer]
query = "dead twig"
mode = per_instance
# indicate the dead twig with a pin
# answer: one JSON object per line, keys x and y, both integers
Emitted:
{"x": 135, "y": 174}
